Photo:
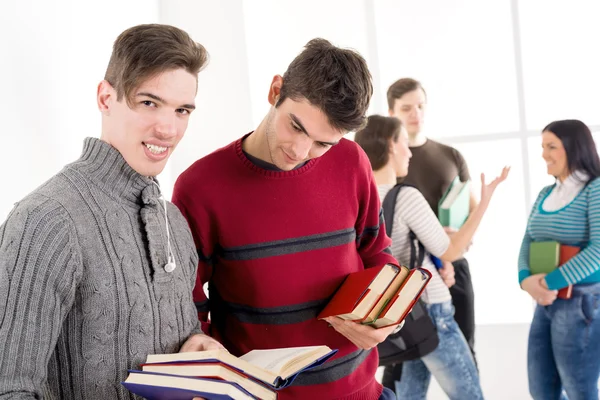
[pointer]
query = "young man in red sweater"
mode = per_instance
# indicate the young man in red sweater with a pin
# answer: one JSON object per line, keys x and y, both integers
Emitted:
{"x": 282, "y": 215}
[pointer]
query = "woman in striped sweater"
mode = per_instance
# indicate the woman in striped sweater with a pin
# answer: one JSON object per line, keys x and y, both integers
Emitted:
{"x": 564, "y": 339}
{"x": 385, "y": 141}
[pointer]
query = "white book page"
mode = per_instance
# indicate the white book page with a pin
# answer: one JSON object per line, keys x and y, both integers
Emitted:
{"x": 275, "y": 360}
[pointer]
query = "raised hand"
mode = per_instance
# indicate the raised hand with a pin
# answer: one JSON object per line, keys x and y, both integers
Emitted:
{"x": 487, "y": 190}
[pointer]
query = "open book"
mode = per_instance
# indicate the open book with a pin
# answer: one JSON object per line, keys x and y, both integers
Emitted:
{"x": 275, "y": 367}
{"x": 395, "y": 294}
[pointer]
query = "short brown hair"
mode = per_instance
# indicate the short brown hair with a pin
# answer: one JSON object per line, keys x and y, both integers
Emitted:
{"x": 335, "y": 80}
{"x": 144, "y": 51}
{"x": 375, "y": 139}
{"x": 400, "y": 88}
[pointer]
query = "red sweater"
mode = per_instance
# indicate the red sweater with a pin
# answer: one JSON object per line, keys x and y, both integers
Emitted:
{"x": 274, "y": 246}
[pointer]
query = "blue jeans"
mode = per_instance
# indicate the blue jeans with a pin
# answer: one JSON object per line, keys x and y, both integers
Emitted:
{"x": 451, "y": 363}
{"x": 564, "y": 347}
{"x": 387, "y": 394}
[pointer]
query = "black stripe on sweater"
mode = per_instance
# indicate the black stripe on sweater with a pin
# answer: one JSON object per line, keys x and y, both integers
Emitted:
{"x": 289, "y": 246}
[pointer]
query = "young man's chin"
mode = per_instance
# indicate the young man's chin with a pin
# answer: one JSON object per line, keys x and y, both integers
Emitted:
{"x": 148, "y": 169}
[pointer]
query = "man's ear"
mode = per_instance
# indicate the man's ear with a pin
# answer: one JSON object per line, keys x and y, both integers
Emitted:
{"x": 105, "y": 97}
{"x": 275, "y": 89}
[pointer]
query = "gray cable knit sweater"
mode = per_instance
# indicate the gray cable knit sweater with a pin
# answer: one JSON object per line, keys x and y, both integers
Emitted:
{"x": 83, "y": 293}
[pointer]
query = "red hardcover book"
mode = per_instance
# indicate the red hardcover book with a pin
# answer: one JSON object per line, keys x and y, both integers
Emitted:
{"x": 401, "y": 304}
{"x": 566, "y": 253}
{"x": 360, "y": 292}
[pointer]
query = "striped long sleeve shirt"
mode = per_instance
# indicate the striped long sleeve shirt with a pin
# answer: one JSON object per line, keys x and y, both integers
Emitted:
{"x": 576, "y": 224}
{"x": 274, "y": 246}
{"x": 412, "y": 213}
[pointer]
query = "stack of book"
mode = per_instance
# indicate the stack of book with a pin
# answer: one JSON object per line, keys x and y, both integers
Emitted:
{"x": 217, "y": 374}
{"x": 378, "y": 296}
{"x": 546, "y": 256}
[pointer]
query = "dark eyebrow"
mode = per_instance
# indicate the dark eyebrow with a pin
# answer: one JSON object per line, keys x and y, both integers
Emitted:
{"x": 303, "y": 129}
{"x": 161, "y": 100}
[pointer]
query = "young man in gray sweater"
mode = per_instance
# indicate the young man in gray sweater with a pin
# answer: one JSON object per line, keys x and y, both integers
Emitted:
{"x": 96, "y": 270}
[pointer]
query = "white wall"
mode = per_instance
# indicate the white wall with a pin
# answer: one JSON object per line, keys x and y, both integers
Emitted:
{"x": 54, "y": 53}
{"x": 223, "y": 108}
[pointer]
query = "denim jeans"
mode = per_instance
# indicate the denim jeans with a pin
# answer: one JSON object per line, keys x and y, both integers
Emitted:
{"x": 451, "y": 363}
{"x": 387, "y": 394}
{"x": 564, "y": 347}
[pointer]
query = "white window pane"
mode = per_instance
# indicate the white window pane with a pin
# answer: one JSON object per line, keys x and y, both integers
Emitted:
{"x": 539, "y": 177}
{"x": 560, "y": 62}
{"x": 596, "y": 136}
{"x": 494, "y": 254}
{"x": 462, "y": 51}
{"x": 276, "y": 31}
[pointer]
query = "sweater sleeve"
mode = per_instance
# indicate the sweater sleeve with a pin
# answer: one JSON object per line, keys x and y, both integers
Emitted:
{"x": 373, "y": 243}
{"x": 586, "y": 262}
{"x": 201, "y": 231}
{"x": 40, "y": 270}
{"x": 524, "y": 271}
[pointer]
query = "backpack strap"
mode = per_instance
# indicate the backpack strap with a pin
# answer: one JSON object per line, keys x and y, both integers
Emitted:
{"x": 416, "y": 258}
{"x": 389, "y": 208}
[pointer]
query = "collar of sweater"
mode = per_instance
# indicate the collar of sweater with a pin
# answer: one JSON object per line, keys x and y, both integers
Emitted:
{"x": 104, "y": 165}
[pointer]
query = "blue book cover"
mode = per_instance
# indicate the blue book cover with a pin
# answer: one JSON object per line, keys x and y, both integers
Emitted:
{"x": 283, "y": 383}
{"x": 436, "y": 261}
{"x": 155, "y": 386}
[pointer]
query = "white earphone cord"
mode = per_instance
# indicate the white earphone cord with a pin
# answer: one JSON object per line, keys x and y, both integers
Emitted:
{"x": 170, "y": 257}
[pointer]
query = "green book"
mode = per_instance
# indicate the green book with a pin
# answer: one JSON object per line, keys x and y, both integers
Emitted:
{"x": 543, "y": 257}
{"x": 453, "y": 208}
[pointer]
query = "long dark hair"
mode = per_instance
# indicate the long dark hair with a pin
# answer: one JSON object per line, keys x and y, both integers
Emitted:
{"x": 579, "y": 145}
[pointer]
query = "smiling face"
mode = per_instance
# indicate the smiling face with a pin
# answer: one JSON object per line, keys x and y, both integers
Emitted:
{"x": 555, "y": 155}
{"x": 147, "y": 132}
{"x": 296, "y": 131}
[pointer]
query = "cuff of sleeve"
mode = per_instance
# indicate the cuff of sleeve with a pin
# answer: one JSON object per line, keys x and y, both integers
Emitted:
{"x": 524, "y": 273}
{"x": 555, "y": 280}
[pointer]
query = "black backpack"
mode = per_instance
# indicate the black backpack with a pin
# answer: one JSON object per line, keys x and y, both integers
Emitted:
{"x": 418, "y": 337}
